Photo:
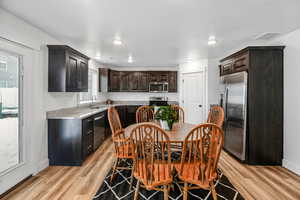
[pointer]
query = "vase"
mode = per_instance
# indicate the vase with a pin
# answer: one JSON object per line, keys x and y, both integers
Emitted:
{"x": 165, "y": 125}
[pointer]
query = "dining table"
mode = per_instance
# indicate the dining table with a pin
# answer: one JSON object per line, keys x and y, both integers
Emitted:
{"x": 176, "y": 135}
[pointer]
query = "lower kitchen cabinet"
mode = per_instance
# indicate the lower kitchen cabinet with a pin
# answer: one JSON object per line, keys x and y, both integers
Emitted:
{"x": 127, "y": 114}
{"x": 70, "y": 141}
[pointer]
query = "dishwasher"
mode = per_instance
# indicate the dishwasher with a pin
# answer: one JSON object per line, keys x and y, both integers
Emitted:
{"x": 99, "y": 130}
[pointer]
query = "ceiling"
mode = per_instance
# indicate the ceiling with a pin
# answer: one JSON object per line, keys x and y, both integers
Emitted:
{"x": 157, "y": 32}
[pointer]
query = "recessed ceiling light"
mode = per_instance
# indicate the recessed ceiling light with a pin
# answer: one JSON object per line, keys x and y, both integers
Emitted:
{"x": 98, "y": 56}
{"x": 211, "y": 40}
{"x": 130, "y": 60}
{"x": 117, "y": 42}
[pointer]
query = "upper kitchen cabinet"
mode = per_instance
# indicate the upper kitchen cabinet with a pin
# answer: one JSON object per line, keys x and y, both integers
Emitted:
{"x": 67, "y": 70}
{"x": 235, "y": 63}
{"x": 124, "y": 81}
{"x": 158, "y": 76}
{"x": 172, "y": 80}
{"x": 138, "y": 81}
{"x": 114, "y": 81}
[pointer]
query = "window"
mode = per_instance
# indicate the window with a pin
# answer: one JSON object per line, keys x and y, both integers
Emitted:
{"x": 3, "y": 84}
{"x": 92, "y": 94}
{"x": 3, "y": 66}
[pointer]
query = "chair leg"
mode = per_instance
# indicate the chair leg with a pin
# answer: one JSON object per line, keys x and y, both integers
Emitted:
{"x": 114, "y": 170}
{"x": 166, "y": 193}
{"x": 213, "y": 191}
{"x": 185, "y": 191}
{"x": 131, "y": 178}
{"x": 136, "y": 194}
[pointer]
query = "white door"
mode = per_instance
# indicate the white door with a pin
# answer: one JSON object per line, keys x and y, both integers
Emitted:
{"x": 15, "y": 161}
{"x": 194, "y": 97}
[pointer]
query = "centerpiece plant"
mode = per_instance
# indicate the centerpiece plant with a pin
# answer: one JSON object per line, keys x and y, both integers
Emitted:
{"x": 167, "y": 115}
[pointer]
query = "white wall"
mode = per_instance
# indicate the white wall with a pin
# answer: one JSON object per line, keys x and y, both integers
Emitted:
{"x": 291, "y": 157}
{"x": 16, "y": 30}
{"x": 210, "y": 67}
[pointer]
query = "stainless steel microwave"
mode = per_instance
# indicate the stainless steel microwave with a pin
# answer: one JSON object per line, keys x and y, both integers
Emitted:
{"x": 158, "y": 87}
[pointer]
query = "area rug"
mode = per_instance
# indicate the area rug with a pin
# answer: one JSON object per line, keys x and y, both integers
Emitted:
{"x": 119, "y": 189}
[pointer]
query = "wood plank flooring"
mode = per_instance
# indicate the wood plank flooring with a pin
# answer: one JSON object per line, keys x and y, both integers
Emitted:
{"x": 81, "y": 183}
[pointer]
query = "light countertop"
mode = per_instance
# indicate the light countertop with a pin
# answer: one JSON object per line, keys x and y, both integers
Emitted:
{"x": 83, "y": 112}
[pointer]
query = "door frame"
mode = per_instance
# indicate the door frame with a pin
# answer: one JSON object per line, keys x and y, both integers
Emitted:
{"x": 205, "y": 92}
{"x": 25, "y": 168}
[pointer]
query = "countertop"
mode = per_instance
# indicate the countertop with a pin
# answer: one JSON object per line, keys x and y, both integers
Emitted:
{"x": 83, "y": 112}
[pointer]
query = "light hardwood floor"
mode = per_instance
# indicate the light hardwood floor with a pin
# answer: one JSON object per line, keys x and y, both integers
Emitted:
{"x": 81, "y": 183}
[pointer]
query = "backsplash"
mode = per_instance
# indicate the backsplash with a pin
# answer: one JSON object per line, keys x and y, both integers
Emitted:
{"x": 138, "y": 96}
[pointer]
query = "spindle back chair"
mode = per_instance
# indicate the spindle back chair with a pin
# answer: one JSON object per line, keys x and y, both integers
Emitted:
{"x": 144, "y": 114}
{"x": 180, "y": 112}
{"x": 216, "y": 116}
{"x": 123, "y": 145}
{"x": 200, "y": 156}
{"x": 114, "y": 120}
{"x": 152, "y": 162}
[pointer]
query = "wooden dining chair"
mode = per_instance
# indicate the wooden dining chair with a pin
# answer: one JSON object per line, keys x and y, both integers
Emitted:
{"x": 144, "y": 114}
{"x": 199, "y": 160}
{"x": 114, "y": 120}
{"x": 123, "y": 146}
{"x": 216, "y": 116}
{"x": 152, "y": 162}
{"x": 180, "y": 112}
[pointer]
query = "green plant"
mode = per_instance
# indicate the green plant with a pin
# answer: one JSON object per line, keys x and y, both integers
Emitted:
{"x": 167, "y": 113}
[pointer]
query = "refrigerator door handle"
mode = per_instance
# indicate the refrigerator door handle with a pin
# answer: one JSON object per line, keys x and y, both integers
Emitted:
{"x": 226, "y": 102}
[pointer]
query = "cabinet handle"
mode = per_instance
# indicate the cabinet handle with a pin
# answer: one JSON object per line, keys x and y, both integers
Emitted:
{"x": 98, "y": 118}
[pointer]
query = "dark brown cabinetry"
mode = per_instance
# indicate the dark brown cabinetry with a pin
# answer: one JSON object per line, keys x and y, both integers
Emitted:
{"x": 127, "y": 114}
{"x": 235, "y": 63}
{"x": 138, "y": 81}
{"x": 87, "y": 136}
{"x": 67, "y": 70}
{"x": 114, "y": 81}
{"x": 70, "y": 141}
{"x": 159, "y": 76}
{"x": 264, "y": 132}
{"x": 172, "y": 79}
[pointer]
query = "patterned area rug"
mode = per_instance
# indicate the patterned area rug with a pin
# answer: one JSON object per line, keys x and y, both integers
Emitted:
{"x": 119, "y": 189}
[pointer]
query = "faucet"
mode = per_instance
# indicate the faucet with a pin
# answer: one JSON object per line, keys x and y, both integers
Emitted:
{"x": 92, "y": 103}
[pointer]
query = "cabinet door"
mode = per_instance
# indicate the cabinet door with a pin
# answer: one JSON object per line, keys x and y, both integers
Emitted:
{"x": 153, "y": 76}
{"x": 124, "y": 81}
{"x": 241, "y": 63}
{"x": 163, "y": 77}
{"x": 226, "y": 67}
{"x": 130, "y": 115}
{"x": 134, "y": 81}
{"x": 143, "y": 84}
{"x": 114, "y": 81}
{"x": 87, "y": 136}
{"x": 99, "y": 78}
{"x": 172, "y": 81}
{"x": 72, "y": 65}
{"x": 83, "y": 76}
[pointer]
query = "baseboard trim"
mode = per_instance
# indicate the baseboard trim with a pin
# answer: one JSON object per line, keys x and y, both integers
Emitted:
{"x": 291, "y": 166}
{"x": 42, "y": 165}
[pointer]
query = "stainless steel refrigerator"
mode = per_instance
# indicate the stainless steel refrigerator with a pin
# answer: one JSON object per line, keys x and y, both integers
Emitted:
{"x": 235, "y": 108}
